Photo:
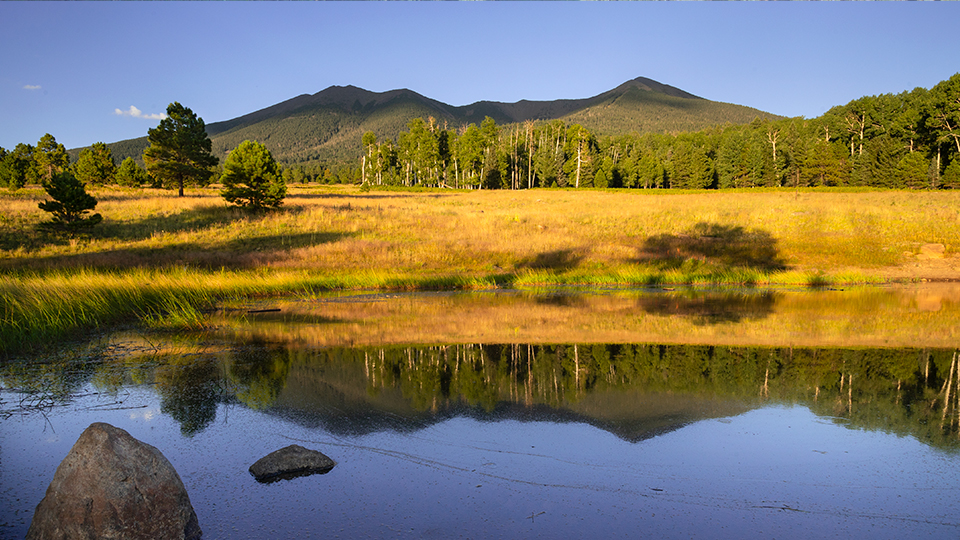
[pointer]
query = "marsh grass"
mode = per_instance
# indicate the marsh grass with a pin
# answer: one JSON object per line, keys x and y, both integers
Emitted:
{"x": 165, "y": 260}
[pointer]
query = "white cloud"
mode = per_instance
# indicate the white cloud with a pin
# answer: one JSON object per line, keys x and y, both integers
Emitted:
{"x": 31, "y": 87}
{"x": 137, "y": 113}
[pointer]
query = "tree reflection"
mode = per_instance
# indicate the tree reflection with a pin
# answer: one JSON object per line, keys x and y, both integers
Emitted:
{"x": 899, "y": 390}
{"x": 705, "y": 308}
{"x": 258, "y": 372}
{"x": 632, "y": 390}
{"x": 190, "y": 392}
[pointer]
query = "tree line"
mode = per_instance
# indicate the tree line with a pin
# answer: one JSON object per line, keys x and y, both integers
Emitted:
{"x": 178, "y": 155}
{"x": 900, "y": 141}
{"x": 190, "y": 165}
{"x": 906, "y": 140}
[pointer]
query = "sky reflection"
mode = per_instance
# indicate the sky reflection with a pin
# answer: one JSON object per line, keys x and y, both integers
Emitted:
{"x": 775, "y": 471}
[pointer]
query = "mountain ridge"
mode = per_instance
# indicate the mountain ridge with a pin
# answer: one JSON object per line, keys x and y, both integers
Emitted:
{"x": 349, "y": 96}
{"x": 327, "y": 125}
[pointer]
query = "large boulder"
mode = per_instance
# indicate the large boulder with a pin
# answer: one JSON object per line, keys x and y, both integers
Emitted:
{"x": 111, "y": 485}
{"x": 290, "y": 462}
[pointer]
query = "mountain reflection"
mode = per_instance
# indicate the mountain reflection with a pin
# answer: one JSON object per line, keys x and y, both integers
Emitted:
{"x": 635, "y": 391}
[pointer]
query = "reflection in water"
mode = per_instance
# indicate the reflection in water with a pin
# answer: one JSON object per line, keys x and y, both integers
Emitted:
{"x": 635, "y": 391}
{"x": 481, "y": 414}
{"x": 731, "y": 307}
{"x": 189, "y": 392}
{"x": 921, "y": 316}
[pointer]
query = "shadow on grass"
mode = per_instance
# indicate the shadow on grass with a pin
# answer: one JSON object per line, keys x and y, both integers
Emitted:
{"x": 243, "y": 253}
{"x": 194, "y": 219}
{"x": 559, "y": 260}
{"x": 727, "y": 245}
{"x": 135, "y": 193}
{"x": 38, "y": 237}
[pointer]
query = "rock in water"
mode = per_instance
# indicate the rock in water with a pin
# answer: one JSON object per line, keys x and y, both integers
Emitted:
{"x": 112, "y": 486}
{"x": 289, "y": 462}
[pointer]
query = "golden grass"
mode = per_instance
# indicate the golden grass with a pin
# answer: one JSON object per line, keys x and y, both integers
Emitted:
{"x": 340, "y": 237}
{"x": 922, "y": 315}
{"x": 341, "y": 230}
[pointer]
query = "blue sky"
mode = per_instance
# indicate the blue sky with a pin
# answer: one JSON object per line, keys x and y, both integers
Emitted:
{"x": 75, "y": 69}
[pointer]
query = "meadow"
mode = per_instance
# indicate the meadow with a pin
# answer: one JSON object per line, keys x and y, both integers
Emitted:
{"x": 164, "y": 260}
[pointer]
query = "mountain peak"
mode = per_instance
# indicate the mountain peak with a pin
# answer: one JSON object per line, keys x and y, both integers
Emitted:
{"x": 328, "y": 125}
{"x": 651, "y": 85}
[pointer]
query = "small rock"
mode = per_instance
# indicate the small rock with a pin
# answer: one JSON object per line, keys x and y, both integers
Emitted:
{"x": 290, "y": 462}
{"x": 113, "y": 486}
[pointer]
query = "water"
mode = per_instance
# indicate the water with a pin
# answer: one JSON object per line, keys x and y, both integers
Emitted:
{"x": 512, "y": 439}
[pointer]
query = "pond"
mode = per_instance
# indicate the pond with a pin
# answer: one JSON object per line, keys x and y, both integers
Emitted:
{"x": 561, "y": 413}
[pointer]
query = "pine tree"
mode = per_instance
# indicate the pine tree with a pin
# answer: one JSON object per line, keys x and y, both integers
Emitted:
{"x": 179, "y": 150}
{"x": 50, "y": 158}
{"x": 912, "y": 170}
{"x": 17, "y": 167}
{"x": 251, "y": 178}
{"x": 70, "y": 203}
{"x": 95, "y": 165}
{"x": 130, "y": 174}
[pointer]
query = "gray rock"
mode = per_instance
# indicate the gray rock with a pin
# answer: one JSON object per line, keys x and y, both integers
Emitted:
{"x": 290, "y": 462}
{"x": 112, "y": 486}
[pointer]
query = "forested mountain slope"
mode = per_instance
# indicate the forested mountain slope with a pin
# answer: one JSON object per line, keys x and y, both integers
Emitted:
{"x": 633, "y": 109}
{"x": 327, "y": 126}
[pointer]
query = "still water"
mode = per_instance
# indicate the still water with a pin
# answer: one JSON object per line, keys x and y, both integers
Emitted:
{"x": 548, "y": 414}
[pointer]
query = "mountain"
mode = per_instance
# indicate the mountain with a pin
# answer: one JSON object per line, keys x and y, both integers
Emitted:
{"x": 328, "y": 125}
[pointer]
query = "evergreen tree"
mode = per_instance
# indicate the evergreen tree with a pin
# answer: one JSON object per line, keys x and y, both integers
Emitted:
{"x": 691, "y": 167}
{"x": 733, "y": 160}
{"x": 907, "y": 123}
{"x": 70, "y": 203}
{"x": 95, "y": 165}
{"x": 650, "y": 172}
{"x": 130, "y": 174}
{"x": 50, "y": 158}
{"x": 468, "y": 152}
{"x": 179, "y": 151}
{"x": 17, "y": 167}
{"x": 251, "y": 178}
{"x": 943, "y": 112}
{"x": 823, "y": 166}
{"x": 912, "y": 170}
{"x": 882, "y": 162}
{"x": 951, "y": 174}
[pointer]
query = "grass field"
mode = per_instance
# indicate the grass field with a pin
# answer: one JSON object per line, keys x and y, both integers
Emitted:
{"x": 163, "y": 259}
